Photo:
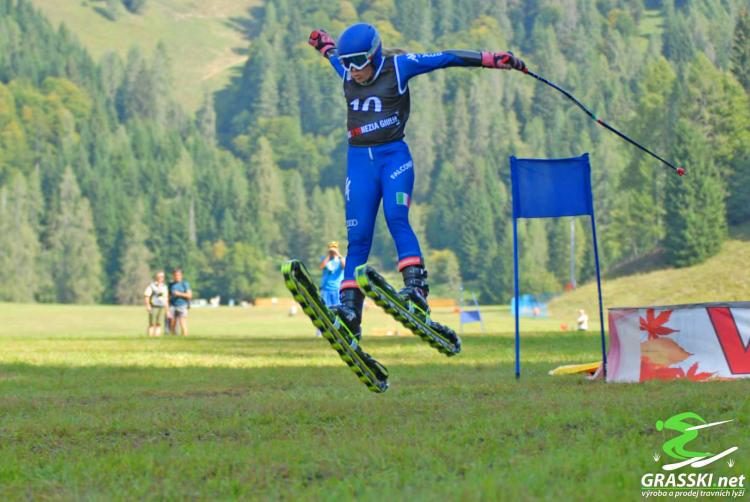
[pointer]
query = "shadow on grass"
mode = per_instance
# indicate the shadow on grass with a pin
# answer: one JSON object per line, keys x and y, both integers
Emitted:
{"x": 21, "y": 382}
{"x": 299, "y": 365}
{"x": 476, "y": 348}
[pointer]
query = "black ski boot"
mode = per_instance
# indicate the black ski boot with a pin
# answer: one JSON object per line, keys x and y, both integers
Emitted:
{"x": 416, "y": 288}
{"x": 409, "y": 306}
{"x": 335, "y": 327}
{"x": 350, "y": 313}
{"x": 350, "y": 310}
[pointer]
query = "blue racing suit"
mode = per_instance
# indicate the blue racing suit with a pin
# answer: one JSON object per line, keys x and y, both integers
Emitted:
{"x": 379, "y": 164}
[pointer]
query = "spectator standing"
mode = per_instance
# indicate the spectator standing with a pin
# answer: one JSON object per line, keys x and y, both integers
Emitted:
{"x": 179, "y": 302}
{"x": 332, "y": 266}
{"x": 583, "y": 320}
{"x": 156, "y": 298}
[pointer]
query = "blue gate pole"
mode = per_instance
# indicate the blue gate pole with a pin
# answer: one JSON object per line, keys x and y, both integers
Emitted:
{"x": 515, "y": 286}
{"x": 599, "y": 291}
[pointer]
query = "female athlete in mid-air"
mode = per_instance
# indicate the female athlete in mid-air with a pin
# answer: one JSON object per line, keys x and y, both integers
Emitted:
{"x": 379, "y": 165}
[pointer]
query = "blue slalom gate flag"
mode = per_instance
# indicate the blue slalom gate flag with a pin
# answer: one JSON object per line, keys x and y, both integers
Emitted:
{"x": 469, "y": 316}
{"x": 552, "y": 188}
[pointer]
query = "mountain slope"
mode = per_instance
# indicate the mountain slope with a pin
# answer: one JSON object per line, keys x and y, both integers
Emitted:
{"x": 205, "y": 40}
{"x": 725, "y": 277}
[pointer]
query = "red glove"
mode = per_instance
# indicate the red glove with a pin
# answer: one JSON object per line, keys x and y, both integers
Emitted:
{"x": 322, "y": 42}
{"x": 502, "y": 60}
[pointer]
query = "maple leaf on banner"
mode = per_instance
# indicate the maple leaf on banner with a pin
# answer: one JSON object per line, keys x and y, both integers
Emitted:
{"x": 693, "y": 374}
{"x": 655, "y": 325}
{"x": 656, "y": 371}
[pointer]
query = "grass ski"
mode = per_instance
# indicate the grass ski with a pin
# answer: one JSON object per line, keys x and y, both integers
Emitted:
{"x": 298, "y": 281}
{"x": 375, "y": 286}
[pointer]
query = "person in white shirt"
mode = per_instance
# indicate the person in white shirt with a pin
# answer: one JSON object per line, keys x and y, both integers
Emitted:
{"x": 156, "y": 298}
{"x": 582, "y": 321}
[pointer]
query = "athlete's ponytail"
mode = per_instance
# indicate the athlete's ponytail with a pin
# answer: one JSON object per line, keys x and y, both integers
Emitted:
{"x": 393, "y": 51}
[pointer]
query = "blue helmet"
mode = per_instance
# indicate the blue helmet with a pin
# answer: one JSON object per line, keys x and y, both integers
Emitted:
{"x": 360, "y": 45}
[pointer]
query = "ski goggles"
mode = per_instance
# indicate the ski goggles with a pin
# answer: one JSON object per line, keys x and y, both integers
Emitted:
{"x": 355, "y": 61}
{"x": 358, "y": 60}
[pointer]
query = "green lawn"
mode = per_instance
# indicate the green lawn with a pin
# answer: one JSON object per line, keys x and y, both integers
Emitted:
{"x": 253, "y": 406}
{"x": 206, "y": 40}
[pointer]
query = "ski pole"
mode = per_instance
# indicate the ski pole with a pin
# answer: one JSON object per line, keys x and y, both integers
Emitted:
{"x": 680, "y": 170}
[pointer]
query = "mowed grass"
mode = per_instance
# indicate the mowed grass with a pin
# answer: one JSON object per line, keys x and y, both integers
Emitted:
{"x": 206, "y": 41}
{"x": 252, "y": 405}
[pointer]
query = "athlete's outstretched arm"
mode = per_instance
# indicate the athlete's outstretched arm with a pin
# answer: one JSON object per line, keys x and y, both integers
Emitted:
{"x": 411, "y": 65}
{"x": 323, "y": 43}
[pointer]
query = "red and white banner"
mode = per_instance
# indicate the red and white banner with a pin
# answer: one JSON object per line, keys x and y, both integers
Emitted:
{"x": 707, "y": 341}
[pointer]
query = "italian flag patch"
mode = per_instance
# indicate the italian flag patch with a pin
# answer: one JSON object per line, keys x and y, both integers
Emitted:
{"x": 403, "y": 199}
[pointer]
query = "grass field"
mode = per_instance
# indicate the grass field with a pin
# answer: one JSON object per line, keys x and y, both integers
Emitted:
{"x": 253, "y": 406}
{"x": 206, "y": 40}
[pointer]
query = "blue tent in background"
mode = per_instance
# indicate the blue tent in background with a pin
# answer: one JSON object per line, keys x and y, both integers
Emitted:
{"x": 551, "y": 188}
{"x": 530, "y": 305}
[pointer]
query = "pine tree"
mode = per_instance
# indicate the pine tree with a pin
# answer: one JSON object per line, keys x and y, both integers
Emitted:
{"x": 460, "y": 152}
{"x": 19, "y": 243}
{"x": 445, "y": 19}
{"x": 442, "y": 223}
{"x": 559, "y": 248}
{"x": 72, "y": 252}
{"x": 678, "y": 42}
{"x": 267, "y": 100}
{"x": 296, "y": 220}
{"x": 695, "y": 213}
{"x": 265, "y": 180}
{"x": 160, "y": 77}
{"x": 740, "y": 58}
{"x": 497, "y": 287}
{"x": 134, "y": 269}
{"x": 205, "y": 118}
{"x": 533, "y": 250}
{"x": 475, "y": 229}
{"x": 328, "y": 216}
{"x": 112, "y": 74}
{"x": 425, "y": 133}
{"x": 640, "y": 212}
{"x": 136, "y": 97}
{"x": 719, "y": 109}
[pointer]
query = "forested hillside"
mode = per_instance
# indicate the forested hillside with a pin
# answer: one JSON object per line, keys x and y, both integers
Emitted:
{"x": 104, "y": 177}
{"x": 206, "y": 40}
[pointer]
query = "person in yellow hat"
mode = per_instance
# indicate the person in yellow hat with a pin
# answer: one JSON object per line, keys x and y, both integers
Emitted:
{"x": 332, "y": 266}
